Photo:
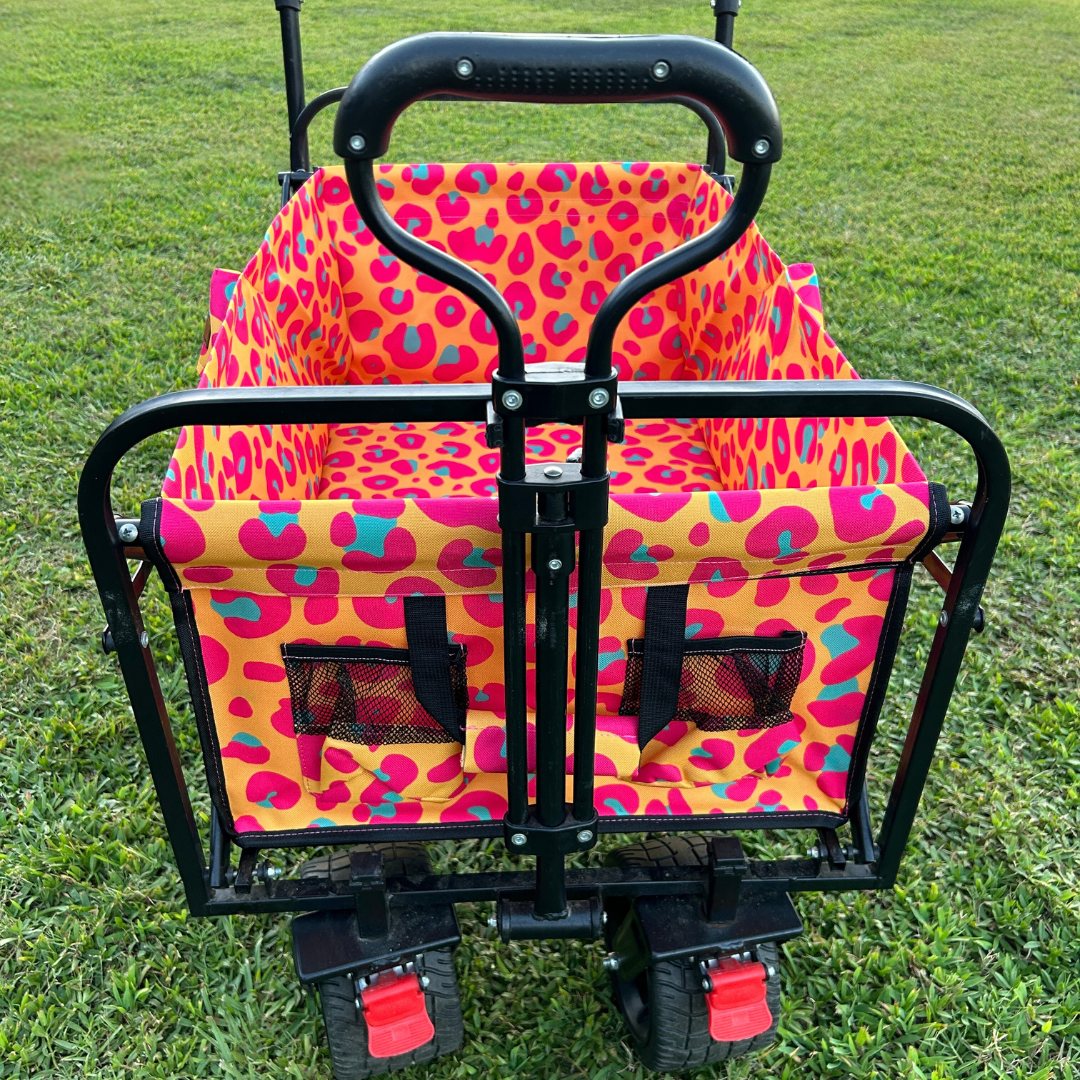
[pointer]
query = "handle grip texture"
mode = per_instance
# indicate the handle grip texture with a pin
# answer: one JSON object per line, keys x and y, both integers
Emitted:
{"x": 558, "y": 69}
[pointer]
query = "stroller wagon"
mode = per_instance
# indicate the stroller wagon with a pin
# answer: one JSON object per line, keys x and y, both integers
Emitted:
{"x": 534, "y": 502}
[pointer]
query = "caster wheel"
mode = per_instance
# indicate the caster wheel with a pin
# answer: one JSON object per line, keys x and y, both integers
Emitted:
{"x": 665, "y": 1007}
{"x": 346, "y": 1031}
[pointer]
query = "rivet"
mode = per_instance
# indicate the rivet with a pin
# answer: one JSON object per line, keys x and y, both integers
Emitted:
{"x": 584, "y": 836}
{"x": 519, "y": 839}
{"x": 357, "y": 143}
{"x": 144, "y": 639}
{"x": 512, "y": 400}
{"x": 943, "y": 619}
{"x": 128, "y": 533}
{"x": 553, "y": 472}
{"x": 661, "y": 70}
{"x": 553, "y": 565}
{"x": 599, "y": 398}
{"x": 464, "y": 68}
{"x": 761, "y": 147}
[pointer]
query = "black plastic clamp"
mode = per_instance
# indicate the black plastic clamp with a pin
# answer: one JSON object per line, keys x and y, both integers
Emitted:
{"x": 567, "y": 402}
{"x": 586, "y": 499}
{"x": 532, "y": 838}
{"x": 727, "y": 868}
{"x": 367, "y": 883}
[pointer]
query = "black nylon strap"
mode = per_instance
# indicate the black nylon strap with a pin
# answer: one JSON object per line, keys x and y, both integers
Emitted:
{"x": 429, "y": 661}
{"x": 661, "y": 664}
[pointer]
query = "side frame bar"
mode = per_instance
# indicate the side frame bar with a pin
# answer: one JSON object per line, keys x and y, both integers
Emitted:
{"x": 462, "y": 403}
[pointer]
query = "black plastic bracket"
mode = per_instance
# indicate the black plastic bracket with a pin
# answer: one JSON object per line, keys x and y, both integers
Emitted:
{"x": 519, "y": 512}
{"x": 660, "y": 928}
{"x": 830, "y": 848}
{"x": 368, "y": 886}
{"x": 554, "y": 402}
{"x": 532, "y": 838}
{"x": 727, "y": 868}
{"x": 328, "y": 943}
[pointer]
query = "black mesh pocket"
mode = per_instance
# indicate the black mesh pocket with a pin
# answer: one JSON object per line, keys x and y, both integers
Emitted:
{"x": 727, "y": 684}
{"x": 366, "y": 695}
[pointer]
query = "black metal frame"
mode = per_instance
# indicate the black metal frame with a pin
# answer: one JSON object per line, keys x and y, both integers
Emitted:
{"x": 374, "y": 921}
{"x": 301, "y": 113}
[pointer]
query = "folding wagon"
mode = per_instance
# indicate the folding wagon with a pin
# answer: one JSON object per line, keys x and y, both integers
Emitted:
{"x": 535, "y": 502}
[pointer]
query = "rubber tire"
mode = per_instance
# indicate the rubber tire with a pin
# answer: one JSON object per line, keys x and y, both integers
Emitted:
{"x": 664, "y": 1007}
{"x": 346, "y": 1031}
{"x": 399, "y": 858}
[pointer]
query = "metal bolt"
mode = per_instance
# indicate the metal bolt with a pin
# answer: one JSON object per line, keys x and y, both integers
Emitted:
{"x": 761, "y": 147}
{"x": 274, "y": 871}
{"x": 814, "y": 852}
{"x": 661, "y": 70}
{"x": 603, "y": 918}
{"x": 706, "y": 985}
{"x": 555, "y": 564}
{"x": 956, "y": 515}
{"x": 357, "y": 143}
{"x": 144, "y": 639}
{"x": 943, "y": 619}
{"x": 493, "y": 922}
{"x": 599, "y": 398}
{"x": 425, "y": 982}
{"x": 512, "y": 400}
{"x": 464, "y": 68}
{"x": 611, "y": 963}
{"x": 129, "y": 533}
{"x": 553, "y": 472}
{"x": 584, "y": 836}
{"x": 519, "y": 839}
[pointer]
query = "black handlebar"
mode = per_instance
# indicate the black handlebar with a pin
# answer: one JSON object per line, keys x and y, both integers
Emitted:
{"x": 558, "y": 69}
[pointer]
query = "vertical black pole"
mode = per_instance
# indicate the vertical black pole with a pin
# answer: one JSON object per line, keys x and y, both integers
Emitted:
{"x": 289, "y": 10}
{"x": 590, "y": 569}
{"x": 724, "y": 12}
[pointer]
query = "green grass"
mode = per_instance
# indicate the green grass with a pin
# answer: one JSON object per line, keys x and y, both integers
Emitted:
{"x": 931, "y": 171}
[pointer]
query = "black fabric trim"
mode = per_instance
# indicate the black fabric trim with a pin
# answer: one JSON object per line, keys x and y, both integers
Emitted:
{"x": 940, "y": 519}
{"x": 187, "y": 634}
{"x": 661, "y": 666}
{"x": 429, "y": 662}
{"x": 880, "y": 677}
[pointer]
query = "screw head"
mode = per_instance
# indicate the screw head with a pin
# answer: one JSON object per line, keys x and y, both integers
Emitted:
{"x": 425, "y": 982}
{"x": 554, "y": 565}
{"x": 611, "y": 963}
{"x": 512, "y": 400}
{"x": 357, "y": 143}
{"x": 599, "y": 398}
{"x": 585, "y": 836}
{"x": 144, "y": 639}
{"x": 128, "y": 533}
{"x": 519, "y": 839}
{"x": 493, "y": 922}
{"x": 956, "y": 515}
{"x": 464, "y": 68}
{"x": 761, "y": 147}
{"x": 553, "y": 472}
{"x": 661, "y": 70}
{"x": 813, "y": 852}
{"x": 943, "y": 619}
{"x": 770, "y": 971}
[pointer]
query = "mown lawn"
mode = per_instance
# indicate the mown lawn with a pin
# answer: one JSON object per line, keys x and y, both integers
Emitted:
{"x": 931, "y": 171}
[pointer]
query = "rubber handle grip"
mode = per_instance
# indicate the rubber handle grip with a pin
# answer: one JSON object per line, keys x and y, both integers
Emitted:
{"x": 558, "y": 69}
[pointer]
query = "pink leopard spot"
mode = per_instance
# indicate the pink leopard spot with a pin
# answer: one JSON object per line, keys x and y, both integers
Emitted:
{"x": 246, "y": 823}
{"x": 215, "y": 658}
{"x": 336, "y": 794}
{"x": 181, "y": 536}
{"x": 340, "y": 760}
{"x": 271, "y": 790}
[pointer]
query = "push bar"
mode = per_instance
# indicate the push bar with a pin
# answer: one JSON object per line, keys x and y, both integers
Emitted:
{"x": 558, "y": 69}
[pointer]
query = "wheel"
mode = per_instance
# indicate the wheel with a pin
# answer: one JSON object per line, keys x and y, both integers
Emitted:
{"x": 347, "y": 1034}
{"x": 665, "y": 1007}
{"x": 402, "y": 857}
{"x": 346, "y": 1031}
